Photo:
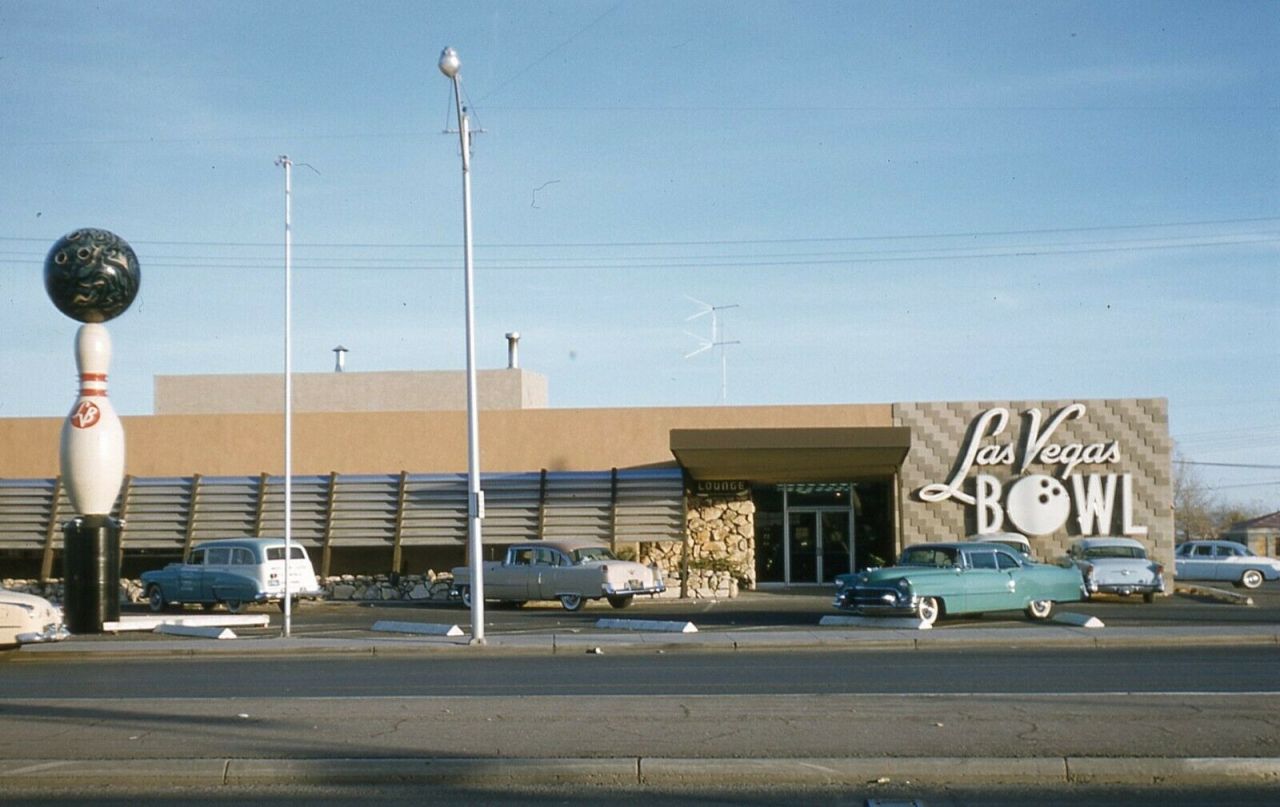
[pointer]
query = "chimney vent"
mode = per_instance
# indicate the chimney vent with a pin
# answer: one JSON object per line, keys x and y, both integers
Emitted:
{"x": 513, "y": 350}
{"x": 340, "y": 359}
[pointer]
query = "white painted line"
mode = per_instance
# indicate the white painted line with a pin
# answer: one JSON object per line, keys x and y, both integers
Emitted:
{"x": 196, "y": 631}
{"x": 128, "y": 623}
{"x": 895, "y": 622}
{"x": 647, "y": 625}
{"x": 1079, "y": 620}
{"x": 419, "y": 628}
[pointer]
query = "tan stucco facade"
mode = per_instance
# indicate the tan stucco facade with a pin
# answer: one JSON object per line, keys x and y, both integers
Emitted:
{"x": 388, "y": 442}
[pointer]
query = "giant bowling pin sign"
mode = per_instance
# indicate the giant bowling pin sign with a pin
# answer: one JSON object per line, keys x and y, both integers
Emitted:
{"x": 92, "y": 276}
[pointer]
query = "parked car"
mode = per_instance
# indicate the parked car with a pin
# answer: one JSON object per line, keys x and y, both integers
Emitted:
{"x": 571, "y": 571}
{"x": 1115, "y": 565}
{"x": 233, "y": 572}
{"x": 1014, "y": 540}
{"x": 1224, "y": 561}
{"x": 930, "y": 580}
{"x": 27, "y": 619}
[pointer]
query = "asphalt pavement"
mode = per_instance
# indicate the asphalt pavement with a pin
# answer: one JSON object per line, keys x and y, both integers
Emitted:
{"x": 435, "y": 630}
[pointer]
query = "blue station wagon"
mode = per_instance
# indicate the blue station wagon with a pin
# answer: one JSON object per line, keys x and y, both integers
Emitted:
{"x": 232, "y": 572}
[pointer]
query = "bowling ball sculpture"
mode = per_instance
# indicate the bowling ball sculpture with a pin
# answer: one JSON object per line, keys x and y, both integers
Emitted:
{"x": 92, "y": 275}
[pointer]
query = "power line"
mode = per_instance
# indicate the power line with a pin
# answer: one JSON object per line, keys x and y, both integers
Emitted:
{"x": 720, "y": 242}
{"x": 1228, "y": 465}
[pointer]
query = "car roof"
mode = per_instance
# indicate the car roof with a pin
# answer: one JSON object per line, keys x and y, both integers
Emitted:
{"x": 958, "y": 545}
{"x": 1109, "y": 540}
{"x": 567, "y": 545}
{"x": 241, "y": 542}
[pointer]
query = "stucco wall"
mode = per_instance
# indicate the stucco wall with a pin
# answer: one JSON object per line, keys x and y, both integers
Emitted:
{"x": 418, "y": 442}
{"x": 1138, "y": 428}
{"x": 347, "y": 392}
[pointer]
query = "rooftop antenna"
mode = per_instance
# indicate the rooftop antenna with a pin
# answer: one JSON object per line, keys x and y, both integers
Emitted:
{"x": 717, "y": 340}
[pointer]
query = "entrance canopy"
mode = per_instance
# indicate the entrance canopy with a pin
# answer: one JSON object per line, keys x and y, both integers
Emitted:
{"x": 791, "y": 455}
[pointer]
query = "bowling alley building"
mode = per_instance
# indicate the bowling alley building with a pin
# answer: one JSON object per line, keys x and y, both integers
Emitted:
{"x": 766, "y": 496}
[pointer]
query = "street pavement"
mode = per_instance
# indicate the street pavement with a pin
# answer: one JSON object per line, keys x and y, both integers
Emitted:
{"x": 634, "y": 632}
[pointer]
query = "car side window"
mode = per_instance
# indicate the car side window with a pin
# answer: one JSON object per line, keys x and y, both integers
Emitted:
{"x": 1204, "y": 551}
{"x": 241, "y": 556}
{"x": 982, "y": 560}
{"x": 522, "y": 557}
{"x": 544, "y": 557}
{"x": 218, "y": 556}
{"x": 1005, "y": 562}
{"x": 196, "y": 558}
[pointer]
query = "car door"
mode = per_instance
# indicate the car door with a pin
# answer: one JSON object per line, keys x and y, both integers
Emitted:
{"x": 190, "y": 577}
{"x": 986, "y": 587}
{"x": 216, "y": 561}
{"x": 550, "y": 567}
{"x": 1199, "y": 564}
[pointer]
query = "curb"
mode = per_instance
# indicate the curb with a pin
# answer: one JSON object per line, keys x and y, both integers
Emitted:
{"x": 644, "y": 771}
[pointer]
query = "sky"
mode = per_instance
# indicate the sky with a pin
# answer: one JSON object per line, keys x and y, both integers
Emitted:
{"x": 881, "y": 201}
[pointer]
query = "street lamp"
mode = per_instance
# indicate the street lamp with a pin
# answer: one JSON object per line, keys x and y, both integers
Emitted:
{"x": 283, "y": 160}
{"x": 450, "y": 65}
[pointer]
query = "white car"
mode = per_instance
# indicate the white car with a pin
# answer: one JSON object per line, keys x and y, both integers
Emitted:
{"x": 26, "y": 619}
{"x": 571, "y": 571}
{"x": 1225, "y": 561}
{"x": 1115, "y": 565}
{"x": 1014, "y": 540}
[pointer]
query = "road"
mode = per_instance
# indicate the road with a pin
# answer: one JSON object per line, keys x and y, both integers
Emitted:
{"x": 1183, "y": 702}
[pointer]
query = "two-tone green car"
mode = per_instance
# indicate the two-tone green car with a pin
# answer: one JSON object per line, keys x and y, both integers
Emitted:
{"x": 930, "y": 580}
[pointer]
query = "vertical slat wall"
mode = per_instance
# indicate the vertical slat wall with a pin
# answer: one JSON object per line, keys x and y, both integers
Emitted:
{"x": 364, "y": 511}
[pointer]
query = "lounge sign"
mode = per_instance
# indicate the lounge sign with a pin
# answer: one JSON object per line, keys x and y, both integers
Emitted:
{"x": 1038, "y": 503}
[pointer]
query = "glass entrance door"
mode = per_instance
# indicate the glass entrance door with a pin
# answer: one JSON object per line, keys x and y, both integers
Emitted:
{"x": 818, "y": 544}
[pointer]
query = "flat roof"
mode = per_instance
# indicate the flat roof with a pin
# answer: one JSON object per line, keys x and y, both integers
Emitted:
{"x": 791, "y": 454}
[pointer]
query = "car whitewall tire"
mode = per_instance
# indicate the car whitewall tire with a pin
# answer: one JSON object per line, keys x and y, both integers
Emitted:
{"x": 929, "y": 610}
{"x": 1040, "y": 610}
{"x": 1251, "y": 579}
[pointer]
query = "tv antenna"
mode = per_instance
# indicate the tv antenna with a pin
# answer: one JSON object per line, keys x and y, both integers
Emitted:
{"x": 717, "y": 340}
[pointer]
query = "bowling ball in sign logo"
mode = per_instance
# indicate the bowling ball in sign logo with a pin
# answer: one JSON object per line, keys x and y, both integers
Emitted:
{"x": 1038, "y": 504}
{"x": 92, "y": 275}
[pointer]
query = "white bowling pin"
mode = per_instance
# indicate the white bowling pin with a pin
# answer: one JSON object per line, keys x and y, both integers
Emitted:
{"x": 92, "y": 454}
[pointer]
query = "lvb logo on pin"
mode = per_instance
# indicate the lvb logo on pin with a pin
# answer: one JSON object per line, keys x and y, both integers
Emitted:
{"x": 86, "y": 415}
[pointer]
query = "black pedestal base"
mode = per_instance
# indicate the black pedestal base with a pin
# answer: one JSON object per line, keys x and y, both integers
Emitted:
{"x": 90, "y": 573}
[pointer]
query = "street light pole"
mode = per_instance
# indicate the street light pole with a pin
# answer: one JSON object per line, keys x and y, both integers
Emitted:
{"x": 284, "y": 160}
{"x": 450, "y": 65}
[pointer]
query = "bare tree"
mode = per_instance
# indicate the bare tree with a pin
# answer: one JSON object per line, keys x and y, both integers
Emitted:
{"x": 1194, "y": 507}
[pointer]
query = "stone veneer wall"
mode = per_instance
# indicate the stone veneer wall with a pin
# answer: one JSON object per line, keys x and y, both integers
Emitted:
{"x": 939, "y": 432}
{"x": 721, "y": 544}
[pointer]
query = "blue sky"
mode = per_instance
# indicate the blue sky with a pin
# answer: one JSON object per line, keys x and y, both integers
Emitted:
{"x": 904, "y": 201}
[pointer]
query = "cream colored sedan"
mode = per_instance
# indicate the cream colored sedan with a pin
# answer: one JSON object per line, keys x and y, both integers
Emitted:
{"x": 26, "y": 619}
{"x": 571, "y": 571}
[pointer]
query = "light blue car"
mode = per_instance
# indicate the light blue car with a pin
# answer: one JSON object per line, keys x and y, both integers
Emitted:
{"x": 232, "y": 572}
{"x": 930, "y": 580}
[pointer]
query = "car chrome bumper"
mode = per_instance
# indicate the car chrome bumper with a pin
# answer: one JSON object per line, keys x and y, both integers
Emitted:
{"x": 612, "y": 591}
{"x": 882, "y": 602}
{"x": 51, "y": 633}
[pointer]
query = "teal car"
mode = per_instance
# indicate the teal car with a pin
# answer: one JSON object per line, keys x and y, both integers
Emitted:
{"x": 930, "y": 580}
{"x": 232, "y": 572}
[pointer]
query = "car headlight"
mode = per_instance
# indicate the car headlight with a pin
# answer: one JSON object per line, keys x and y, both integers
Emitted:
{"x": 903, "y": 585}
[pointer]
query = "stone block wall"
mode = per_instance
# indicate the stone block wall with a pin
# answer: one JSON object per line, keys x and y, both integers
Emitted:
{"x": 1139, "y": 429}
{"x": 721, "y": 546}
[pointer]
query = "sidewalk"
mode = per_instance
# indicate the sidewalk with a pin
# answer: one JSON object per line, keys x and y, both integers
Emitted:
{"x": 602, "y": 640}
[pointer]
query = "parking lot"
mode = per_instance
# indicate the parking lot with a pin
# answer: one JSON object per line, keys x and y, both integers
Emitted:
{"x": 752, "y": 610}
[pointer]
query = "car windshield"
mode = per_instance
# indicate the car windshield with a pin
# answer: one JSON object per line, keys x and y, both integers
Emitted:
{"x": 1115, "y": 552}
{"x": 590, "y": 553}
{"x": 933, "y": 556}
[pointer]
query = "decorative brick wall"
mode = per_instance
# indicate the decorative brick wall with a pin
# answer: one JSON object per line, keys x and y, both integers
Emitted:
{"x": 1139, "y": 429}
